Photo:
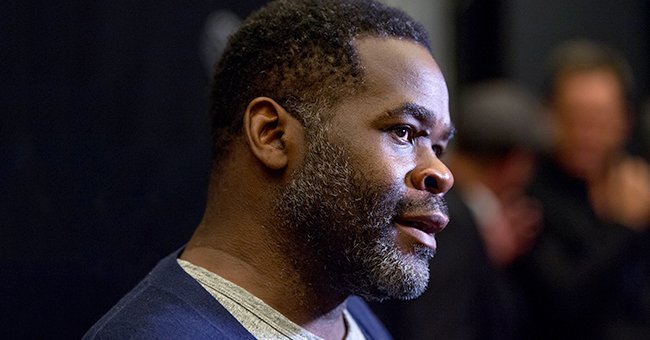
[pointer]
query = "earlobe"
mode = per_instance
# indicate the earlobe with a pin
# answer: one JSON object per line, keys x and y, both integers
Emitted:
{"x": 265, "y": 127}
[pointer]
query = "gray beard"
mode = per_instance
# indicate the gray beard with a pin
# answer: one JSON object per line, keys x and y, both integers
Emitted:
{"x": 337, "y": 227}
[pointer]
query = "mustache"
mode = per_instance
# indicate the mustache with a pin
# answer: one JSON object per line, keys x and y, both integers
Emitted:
{"x": 391, "y": 201}
{"x": 430, "y": 203}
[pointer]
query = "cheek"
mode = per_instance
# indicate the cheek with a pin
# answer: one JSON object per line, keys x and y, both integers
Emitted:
{"x": 378, "y": 161}
{"x": 387, "y": 168}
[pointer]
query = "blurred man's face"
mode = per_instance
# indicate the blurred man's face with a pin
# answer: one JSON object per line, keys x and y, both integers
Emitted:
{"x": 590, "y": 121}
{"x": 352, "y": 211}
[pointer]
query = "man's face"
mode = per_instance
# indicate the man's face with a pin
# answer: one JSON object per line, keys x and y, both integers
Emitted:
{"x": 589, "y": 112}
{"x": 362, "y": 210}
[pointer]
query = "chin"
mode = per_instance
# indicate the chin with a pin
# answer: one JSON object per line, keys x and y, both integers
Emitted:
{"x": 398, "y": 275}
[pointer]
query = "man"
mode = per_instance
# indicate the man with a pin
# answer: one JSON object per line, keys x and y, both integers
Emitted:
{"x": 492, "y": 222}
{"x": 329, "y": 118}
{"x": 584, "y": 275}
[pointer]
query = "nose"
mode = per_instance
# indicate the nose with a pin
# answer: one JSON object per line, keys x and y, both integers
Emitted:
{"x": 434, "y": 177}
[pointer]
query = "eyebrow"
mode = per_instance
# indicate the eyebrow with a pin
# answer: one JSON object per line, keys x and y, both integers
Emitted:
{"x": 423, "y": 115}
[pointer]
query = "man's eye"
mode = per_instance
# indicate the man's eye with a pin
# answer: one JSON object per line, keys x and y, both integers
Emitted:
{"x": 404, "y": 133}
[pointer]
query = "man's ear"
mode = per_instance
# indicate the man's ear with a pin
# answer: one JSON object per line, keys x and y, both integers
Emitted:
{"x": 265, "y": 125}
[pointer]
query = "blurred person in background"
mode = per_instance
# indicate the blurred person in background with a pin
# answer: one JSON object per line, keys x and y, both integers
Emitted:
{"x": 585, "y": 275}
{"x": 492, "y": 222}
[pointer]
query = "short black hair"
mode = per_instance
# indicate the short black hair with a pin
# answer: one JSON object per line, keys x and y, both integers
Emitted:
{"x": 581, "y": 56}
{"x": 300, "y": 54}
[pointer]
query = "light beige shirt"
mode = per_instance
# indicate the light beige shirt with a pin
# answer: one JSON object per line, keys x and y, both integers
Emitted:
{"x": 260, "y": 319}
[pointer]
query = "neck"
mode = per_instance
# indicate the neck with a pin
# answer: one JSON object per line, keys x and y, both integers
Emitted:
{"x": 240, "y": 240}
{"x": 249, "y": 254}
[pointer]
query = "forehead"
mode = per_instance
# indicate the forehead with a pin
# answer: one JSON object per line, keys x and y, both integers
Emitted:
{"x": 397, "y": 73}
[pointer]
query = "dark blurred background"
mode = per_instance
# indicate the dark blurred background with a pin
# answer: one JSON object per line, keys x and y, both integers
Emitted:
{"x": 104, "y": 137}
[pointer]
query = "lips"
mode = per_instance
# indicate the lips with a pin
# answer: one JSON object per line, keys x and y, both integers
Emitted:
{"x": 430, "y": 224}
{"x": 422, "y": 228}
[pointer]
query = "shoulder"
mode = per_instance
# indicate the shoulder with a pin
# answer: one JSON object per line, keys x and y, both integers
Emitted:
{"x": 148, "y": 312}
{"x": 366, "y": 319}
{"x": 167, "y": 304}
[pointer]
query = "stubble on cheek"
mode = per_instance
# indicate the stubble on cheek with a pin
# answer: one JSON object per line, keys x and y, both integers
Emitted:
{"x": 339, "y": 224}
